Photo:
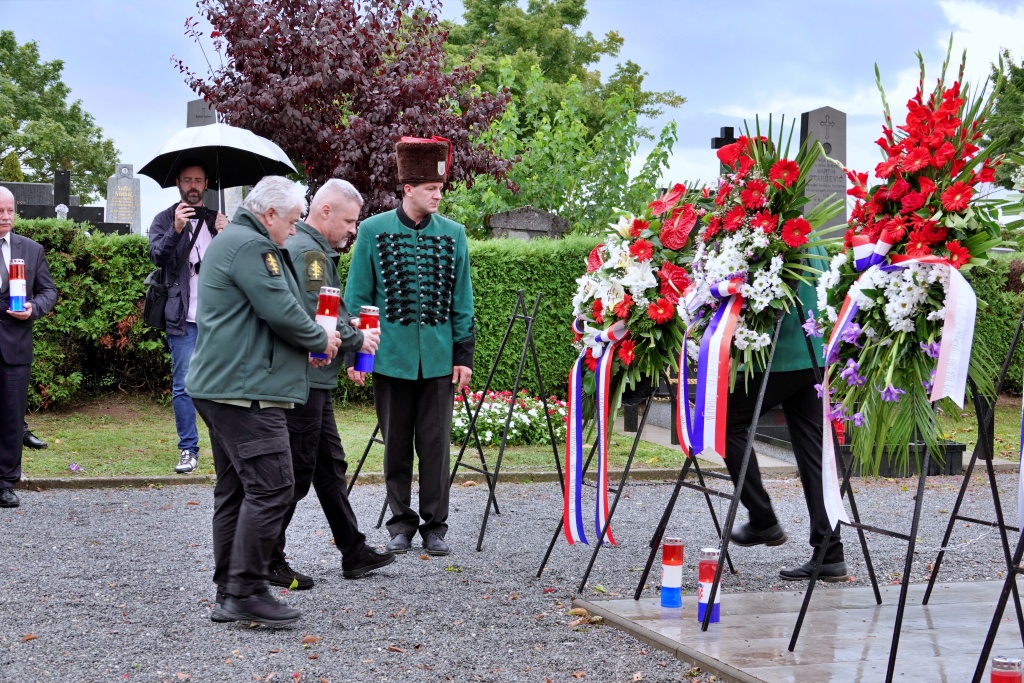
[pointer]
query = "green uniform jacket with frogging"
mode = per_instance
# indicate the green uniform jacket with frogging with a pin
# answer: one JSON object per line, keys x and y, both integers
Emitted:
{"x": 316, "y": 265}
{"x": 254, "y": 335}
{"x": 419, "y": 279}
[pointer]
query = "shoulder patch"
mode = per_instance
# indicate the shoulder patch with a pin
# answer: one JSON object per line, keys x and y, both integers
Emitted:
{"x": 316, "y": 270}
{"x": 272, "y": 264}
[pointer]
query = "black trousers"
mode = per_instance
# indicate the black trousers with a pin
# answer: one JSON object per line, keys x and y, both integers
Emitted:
{"x": 318, "y": 458}
{"x": 800, "y": 403}
{"x": 254, "y": 489}
{"x": 416, "y": 413}
{"x": 13, "y": 399}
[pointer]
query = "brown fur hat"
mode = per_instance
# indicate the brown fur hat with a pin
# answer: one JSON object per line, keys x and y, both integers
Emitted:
{"x": 422, "y": 160}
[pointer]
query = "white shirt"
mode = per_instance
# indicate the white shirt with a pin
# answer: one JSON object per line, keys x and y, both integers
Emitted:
{"x": 196, "y": 256}
{"x": 5, "y": 249}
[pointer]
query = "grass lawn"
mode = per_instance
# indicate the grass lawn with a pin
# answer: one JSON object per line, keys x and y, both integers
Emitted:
{"x": 134, "y": 435}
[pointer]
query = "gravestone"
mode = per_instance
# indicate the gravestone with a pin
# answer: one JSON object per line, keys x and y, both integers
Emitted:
{"x": 827, "y": 126}
{"x": 526, "y": 223}
{"x": 201, "y": 113}
{"x": 62, "y": 204}
{"x": 31, "y": 193}
{"x": 123, "y": 202}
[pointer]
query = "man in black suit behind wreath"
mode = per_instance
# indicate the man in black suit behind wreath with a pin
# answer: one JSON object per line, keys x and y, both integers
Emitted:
{"x": 16, "y": 341}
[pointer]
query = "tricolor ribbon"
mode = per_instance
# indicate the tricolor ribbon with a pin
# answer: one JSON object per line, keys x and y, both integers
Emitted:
{"x": 604, "y": 342}
{"x": 1020, "y": 477}
{"x": 961, "y": 307}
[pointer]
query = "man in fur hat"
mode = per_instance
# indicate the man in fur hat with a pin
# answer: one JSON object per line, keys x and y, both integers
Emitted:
{"x": 413, "y": 264}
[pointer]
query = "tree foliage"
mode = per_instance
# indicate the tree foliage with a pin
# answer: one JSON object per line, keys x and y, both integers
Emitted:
{"x": 1008, "y": 121}
{"x": 42, "y": 129}
{"x": 10, "y": 169}
{"x": 545, "y": 35}
{"x": 561, "y": 166}
{"x": 336, "y": 83}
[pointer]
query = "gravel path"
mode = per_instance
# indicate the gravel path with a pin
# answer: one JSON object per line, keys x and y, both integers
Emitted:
{"x": 114, "y": 585}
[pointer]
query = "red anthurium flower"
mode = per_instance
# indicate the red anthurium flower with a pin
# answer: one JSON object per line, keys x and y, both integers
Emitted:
{"x": 958, "y": 255}
{"x": 917, "y": 245}
{"x": 956, "y": 197}
{"x": 899, "y": 188}
{"x": 915, "y": 160}
{"x": 765, "y": 222}
{"x": 783, "y": 173}
{"x": 912, "y": 202}
{"x": 667, "y": 201}
{"x": 589, "y": 360}
{"x": 598, "y": 311}
{"x": 626, "y": 354}
{"x": 624, "y": 307}
{"x": 660, "y": 311}
{"x": 887, "y": 167}
{"x": 753, "y": 194}
{"x": 642, "y": 250}
{"x": 795, "y": 231}
{"x": 926, "y": 185}
{"x": 734, "y": 218}
{"x": 674, "y": 281}
{"x": 639, "y": 225}
{"x": 730, "y": 154}
{"x": 595, "y": 259}
{"x": 723, "y": 194}
{"x": 677, "y": 227}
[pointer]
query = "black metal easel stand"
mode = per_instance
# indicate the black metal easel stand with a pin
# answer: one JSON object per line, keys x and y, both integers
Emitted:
{"x": 529, "y": 349}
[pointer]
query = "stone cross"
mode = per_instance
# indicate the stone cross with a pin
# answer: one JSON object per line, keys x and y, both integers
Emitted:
{"x": 726, "y": 137}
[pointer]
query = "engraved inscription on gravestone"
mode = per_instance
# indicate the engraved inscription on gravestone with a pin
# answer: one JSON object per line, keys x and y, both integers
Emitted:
{"x": 827, "y": 126}
{"x": 123, "y": 203}
{"x": 201, "y": 113}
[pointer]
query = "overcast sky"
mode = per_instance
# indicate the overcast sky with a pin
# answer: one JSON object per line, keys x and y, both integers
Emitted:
{"x": 730, "y": 61}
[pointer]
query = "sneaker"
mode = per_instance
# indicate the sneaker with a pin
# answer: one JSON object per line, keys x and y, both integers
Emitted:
{"x": 747, "y": 536}
{"x": 831, "y": 572}
{"x": 367, "y": 560}
{"x": 187, "y": 462}
{"x": 218, "y": 615}
{"x": 260, "y": 607}
{"x": 284, "y": 576}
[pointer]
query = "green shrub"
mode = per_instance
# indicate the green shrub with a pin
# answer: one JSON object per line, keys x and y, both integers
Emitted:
{"x": 1000, "y": 293}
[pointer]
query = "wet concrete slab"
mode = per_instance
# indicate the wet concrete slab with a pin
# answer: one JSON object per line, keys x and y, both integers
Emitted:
{"x": 846, "y": 636}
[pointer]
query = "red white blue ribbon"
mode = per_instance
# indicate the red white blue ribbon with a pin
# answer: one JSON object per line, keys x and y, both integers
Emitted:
{"x": 572, "y": 516}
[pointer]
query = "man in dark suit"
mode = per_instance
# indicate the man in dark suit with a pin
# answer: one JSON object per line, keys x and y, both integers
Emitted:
{"x": 16, "y": 342}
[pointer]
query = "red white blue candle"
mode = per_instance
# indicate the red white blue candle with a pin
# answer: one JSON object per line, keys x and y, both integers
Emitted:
{"x": 672, "y": 572}
{"x": 369, "y": 318}
{"x": 327, "y": 313}
{"x": 706, "y": 576}
{"x": 19, "y": 290}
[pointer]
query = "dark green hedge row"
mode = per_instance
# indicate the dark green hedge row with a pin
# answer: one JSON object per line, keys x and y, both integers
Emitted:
{"x": 1000, "y": 294}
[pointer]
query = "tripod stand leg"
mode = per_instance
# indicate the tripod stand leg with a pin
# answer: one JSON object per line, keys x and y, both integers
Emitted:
{"x": 1006, "y": 545}
{"x": 383, "y": 511}
{"x": 714, "y": 516}
{"x": 366, "y": 451}
{"x": 847, "y": 489}
{"x": 1004, "y": 595}
{"x": 554, "y": 537}
{"x": 949, "y": 527}
{"x": 659, "y": 531}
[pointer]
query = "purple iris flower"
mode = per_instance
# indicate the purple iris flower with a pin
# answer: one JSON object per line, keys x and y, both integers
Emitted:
{"x": 75, "y": 467}
{"x": 931, "y": 348}
{"x": 858, "y": 419}
{"x": 817, "y": 387}
{"x": 850, "y": 374}
{"x": 891, "y": 393}
{"x": 811, "y": 327}
{"x": 929, "y": 383}
{"x": 838, "y": 412}
{"x": 851, "y": 333}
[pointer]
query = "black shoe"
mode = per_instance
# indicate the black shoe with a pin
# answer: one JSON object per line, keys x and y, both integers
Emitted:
{"x": 218, "y": 615}
{"x": 435, "y": 545}
{"x": 747, "y": 536}
{"x": 368, "y": 560}
{"x": 284, "y": 576}
{"x": 399, "y": 543}
{"x": 261, "y": 607}
{"x": 32, "y": 441}
{"x": 831, "y": 572}
{"x": 8, "y": 498}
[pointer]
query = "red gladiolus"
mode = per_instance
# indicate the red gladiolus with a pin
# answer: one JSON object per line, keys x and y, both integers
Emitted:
{"x": 926, "y": 185}
{"x": 753, "y": 195}
{"x": 598, "y": 311}
{"x": 783, "y": 173}
{"x": 674, "y": 281}
{"x": 848, "y": 239}
{"x": 639, "y": 225}
{"x": 957, "y": 197}
{"x": 765, "y": 222}
{"x": 746, "y": 163}
{"x": 667, "y": 201}
{"x": 589, "y": 360}
{"x": 987, "y": 175}
{"x": 723, "y": 194}
{"x": 660, "y": 311}
{"x": 676, "y": 229}
{"x": 595, "y": 259}
{"x": 917, "y": 245}
{"x": 642, "y": 250}
{"x": 734, "y": 218}
{"x": 705, "y": 192}
{"x": 943, "y": 154}
{"x": 626, "y": 354}
{"x": 958, "y": 255}
{"x": 795, "y": 231}
{"x": 860, "y": 184}
{"x": 912, "y": 202}
{"x": 624, "y": 307}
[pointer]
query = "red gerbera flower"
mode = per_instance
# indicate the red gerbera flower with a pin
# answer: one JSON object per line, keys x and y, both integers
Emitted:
{"x": 915, "y": 160}
{"x": 886, "y": 168}
{"x": 660, "y": 311}
{"x": 667, "y": 201}
{"x": 917, "y": 245}
{"x": 753, "y": 195}
{"x": 795, "y": 231}
{"x": 765, "y": 222}
{"x": 958, "y": 255}
{"x": 598, "y": 311}
{"x": 639, "y": 225}
{"x": 723, "y": 194}
{"x": 623, "y": 308}
{"x": 589, "y": 360}
{"x": 642, "y": 250}
{"x": 957, "y": 197}
{"x": 734, "y": 218}
{"x": 783, "y": 173}
{"x": 714, "y": 226}
{"x": 626, "y": 354}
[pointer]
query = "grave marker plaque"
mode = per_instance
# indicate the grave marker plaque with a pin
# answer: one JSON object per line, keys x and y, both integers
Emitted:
{"x": 123, "y": 204}
{"x": 827, "y": 126}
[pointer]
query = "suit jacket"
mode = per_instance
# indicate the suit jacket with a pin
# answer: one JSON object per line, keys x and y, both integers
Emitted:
{"x": 167, "y": 250}
{"x": 16, "y": 335}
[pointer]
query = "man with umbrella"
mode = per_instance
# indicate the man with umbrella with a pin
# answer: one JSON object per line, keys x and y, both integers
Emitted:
{"x": 178, "y": 239}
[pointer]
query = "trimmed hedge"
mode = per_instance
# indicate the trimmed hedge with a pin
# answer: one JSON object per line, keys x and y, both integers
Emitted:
{"x": 94, "y": 341}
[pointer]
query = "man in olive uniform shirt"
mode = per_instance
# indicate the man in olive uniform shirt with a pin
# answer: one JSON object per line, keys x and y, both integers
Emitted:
{"x": 317, "y": 453}
{"x": 413, "y": 264}
{"x": 251, "y": 364}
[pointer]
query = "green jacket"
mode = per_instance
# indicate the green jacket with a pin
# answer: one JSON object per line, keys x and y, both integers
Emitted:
{"x": 419, "y": 279}
{"x": 254, "y": 335}
{"x": 791, "y": 352}
{"x": 317, "y": 265}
